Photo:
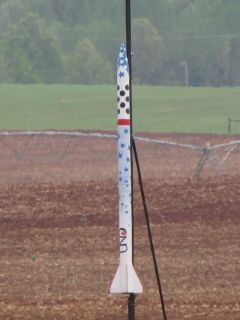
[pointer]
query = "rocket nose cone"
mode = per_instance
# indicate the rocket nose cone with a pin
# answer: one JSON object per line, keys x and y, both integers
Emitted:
{"x": 123, "y": 47}
{"x": 122, "y": 57}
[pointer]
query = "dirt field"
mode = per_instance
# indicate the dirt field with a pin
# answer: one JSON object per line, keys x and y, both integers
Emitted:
{"x": 59, "y": 229}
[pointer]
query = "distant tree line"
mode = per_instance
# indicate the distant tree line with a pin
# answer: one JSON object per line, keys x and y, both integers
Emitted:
{"x": 77, "y": 41}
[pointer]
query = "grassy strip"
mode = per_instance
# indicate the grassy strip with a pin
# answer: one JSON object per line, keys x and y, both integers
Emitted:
{"x": 156, "y": 109}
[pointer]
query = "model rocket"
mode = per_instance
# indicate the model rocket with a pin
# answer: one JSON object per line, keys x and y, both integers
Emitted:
{"x": 126, "y": 279}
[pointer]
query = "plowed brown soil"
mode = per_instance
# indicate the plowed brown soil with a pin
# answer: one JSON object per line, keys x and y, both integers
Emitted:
{"x": 59, "y": 231}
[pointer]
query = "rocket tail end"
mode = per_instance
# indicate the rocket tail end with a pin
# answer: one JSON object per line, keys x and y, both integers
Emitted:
{"x": 126, "y": 281}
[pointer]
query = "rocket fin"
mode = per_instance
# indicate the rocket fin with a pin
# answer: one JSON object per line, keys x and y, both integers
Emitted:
{"x": 126, "y": 280}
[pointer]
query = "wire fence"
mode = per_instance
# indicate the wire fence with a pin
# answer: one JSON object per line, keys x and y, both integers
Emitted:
{"x": 71, "y": 156}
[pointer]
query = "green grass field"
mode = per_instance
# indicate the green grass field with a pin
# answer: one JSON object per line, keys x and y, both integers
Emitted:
{"x": 156, "y": 109}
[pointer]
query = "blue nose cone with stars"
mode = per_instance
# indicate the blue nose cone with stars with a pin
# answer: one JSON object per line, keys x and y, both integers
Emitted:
{"x": 122, "y": 58}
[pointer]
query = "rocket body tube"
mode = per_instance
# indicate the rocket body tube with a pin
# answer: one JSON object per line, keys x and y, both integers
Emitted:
{"x": 126, "y": 279}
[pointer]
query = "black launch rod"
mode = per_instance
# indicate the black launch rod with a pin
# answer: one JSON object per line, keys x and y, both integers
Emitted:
{"x": 132, "y": 296}
{"x": 157, "y": 272}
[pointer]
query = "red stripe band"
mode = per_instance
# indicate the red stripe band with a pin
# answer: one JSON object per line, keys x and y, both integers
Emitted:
{"x": 124, "y": 122}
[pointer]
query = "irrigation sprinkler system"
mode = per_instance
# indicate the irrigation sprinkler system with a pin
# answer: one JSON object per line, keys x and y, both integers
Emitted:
{"x": 216, "y": 154}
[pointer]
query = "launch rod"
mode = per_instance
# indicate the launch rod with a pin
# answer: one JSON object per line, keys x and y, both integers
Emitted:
{"x": 157, "y": 273}
{"x": 129, "y": 56}
{"x": 129, "y": 36}
{"x": 132, "y": 297}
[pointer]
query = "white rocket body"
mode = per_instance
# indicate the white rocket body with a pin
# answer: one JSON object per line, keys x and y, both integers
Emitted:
{"x": 126, "y": 279}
